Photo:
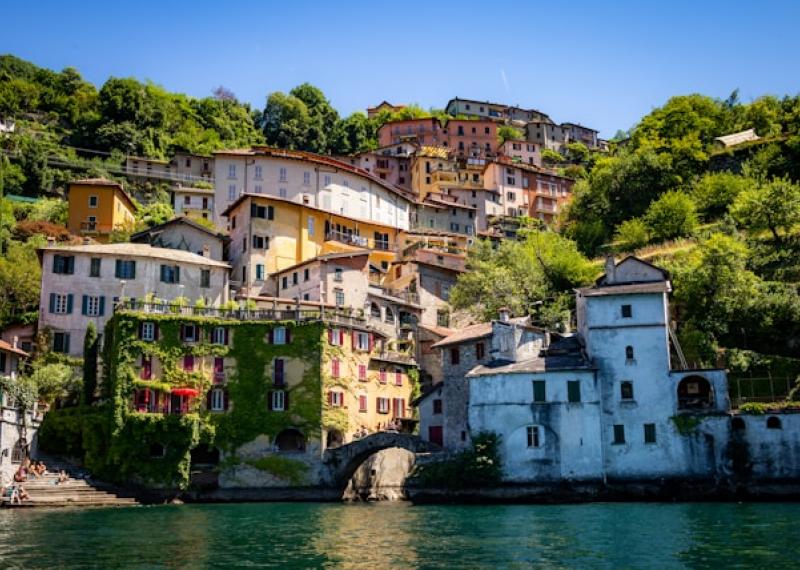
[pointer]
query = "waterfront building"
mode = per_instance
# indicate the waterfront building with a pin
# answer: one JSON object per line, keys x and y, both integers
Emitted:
{"x": 308, "y": 179}
{"x": 81, "y": 283}
{"x": 97, "y": 207}
{"x": 187, "y": 235}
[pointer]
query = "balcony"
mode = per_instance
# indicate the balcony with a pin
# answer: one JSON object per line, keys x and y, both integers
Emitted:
{"x": 96, "y": 228}
{"x": 395, "y": 357}
{"x": 360, "y": 241}
{"x": 402, "y": 295}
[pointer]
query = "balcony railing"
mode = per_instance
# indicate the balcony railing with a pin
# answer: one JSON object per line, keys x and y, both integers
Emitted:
{"x": 360, "y": 241}
{"x": 341, "y": 316}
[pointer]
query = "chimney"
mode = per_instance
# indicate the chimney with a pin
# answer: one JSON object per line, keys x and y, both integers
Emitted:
{"x": 504, "y": 313}
{"x": 51, "y": 241}
{"x": 15, "y": 341}
{"x": 611, "y": 269}
{"x": 206, "y": 250}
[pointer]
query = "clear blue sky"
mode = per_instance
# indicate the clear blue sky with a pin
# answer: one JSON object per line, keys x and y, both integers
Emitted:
{"x": 603, "y": 64}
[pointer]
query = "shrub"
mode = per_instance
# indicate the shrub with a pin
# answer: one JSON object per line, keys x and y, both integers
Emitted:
{"x": 26, "y": 229}
{"x": 631, "y": 234}
{"x": 479, "y": 466}
{"x": 672, "y": 216}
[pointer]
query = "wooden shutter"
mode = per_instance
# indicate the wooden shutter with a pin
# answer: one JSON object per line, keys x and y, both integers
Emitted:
{"x": 177, "y": 274}
{"x": 133, "y": 270}
{"x": 66, "y": 343}
{"x": 286, "y": 401}
{"x": 155, "y": 331}
{"x": 52, "y": 302}
{"x": 371, "y": 342}
{"x": 183, "y": 332}
{"x": 208, "y": 399}
{"x": 288, "y": 335}
{"x": 69, "y": 303}
{"x": 341, "y": 337}
{"x": 353, "y": 340}
{"x": 330, "y": 397}
{"x": 85, "y": 305}
{"x": 141, "y": 330}
{"x": 278, "y": 372}
{"x": 117, "y": 268}
{"x": 102, "y": 306}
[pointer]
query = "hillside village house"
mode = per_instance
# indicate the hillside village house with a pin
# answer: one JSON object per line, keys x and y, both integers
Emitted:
{"x": 182, "y": 168}
{"x": 522, "y": 151}
{"x": 197, "y": 202}
{"x": 391, "y": 163}
{"x": 578, "y": 133}
{"x": 465, "y": 138}
{"x": 308, "y": 179}
{"x": 494, "y": 111}
{"x": 97, "y": 207}
{"x": 269, "y": 234}
{"x": 528, "y": 190}
{"x": 373, "y": 112}
{"x": 80, "y": 284}
{"x": 446, "y": 212}
{"x": 187, "y": 235}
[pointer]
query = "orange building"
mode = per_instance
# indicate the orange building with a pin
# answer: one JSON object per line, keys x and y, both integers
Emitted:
{"x": 97, "y": 207}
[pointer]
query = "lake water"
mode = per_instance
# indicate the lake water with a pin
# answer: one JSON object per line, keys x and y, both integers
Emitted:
{"x": 398, "y": 535}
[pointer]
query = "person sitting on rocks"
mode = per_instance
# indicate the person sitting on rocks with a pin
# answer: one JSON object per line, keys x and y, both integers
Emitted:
{"x": 21, "y": 475}
{"x": 62, "y": 477}
{"x": 42, "y": 468}
{"x": 22, "y": 494}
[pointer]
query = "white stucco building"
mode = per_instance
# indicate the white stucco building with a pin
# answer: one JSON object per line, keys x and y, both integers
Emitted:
{"x": 80, "y": 284}
{"x": 309, "y": 179}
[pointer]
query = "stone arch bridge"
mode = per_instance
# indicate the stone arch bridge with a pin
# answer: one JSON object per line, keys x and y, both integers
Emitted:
{"x": 340, "y": 463}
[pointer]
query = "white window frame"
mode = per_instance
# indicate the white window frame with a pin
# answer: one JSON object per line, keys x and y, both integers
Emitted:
{"x": 278, "y": 401}
{"x": 337, "y": 398}
{"x": 219, "y": 335}
{"x": 282, "y": 192}
{"x": 148, "y": 331}
{"x": 96, "y": 201}
{"x": 362, "y": 340}
{"x": 92, "y": 306}
{"x": 326, "y": 180}
{"x": 279, "y": 335}
{"x": 311, "y": 226}
{"x": 217, "y": 400}
{"x": 259, "y": 172}
{"x": 336, "y": 337}
{"x": 306, "y": 178}
{"x": 383, "y": 405}
{"x": 186, "y": 337}
{"x": 60, "y": 305}
{"x": 282, "y": 177}
{"x": 231, "y": 192}
{"x": 534, "y": 437}
{"x": 339, "y": 297}
{"x": 231, "y": 171}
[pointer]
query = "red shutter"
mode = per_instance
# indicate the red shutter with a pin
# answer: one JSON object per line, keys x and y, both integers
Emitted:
{"x": 362, "y": 403}
{"x": 394, "y": 407}
{"x": 402, "y": 408}
{"x": 330, "y": 398}
{"x": 353, "y": 340}
{"x": 398, "y": 378}
{"x": 371, "y": 342}
{"x": 341, "y": 337}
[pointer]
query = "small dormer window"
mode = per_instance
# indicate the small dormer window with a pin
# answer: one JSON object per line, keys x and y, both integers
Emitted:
{"x": 627, "y": 311}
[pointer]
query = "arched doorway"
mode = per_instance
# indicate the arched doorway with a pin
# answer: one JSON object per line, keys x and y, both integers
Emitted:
{"x": 290, "y": 440}
{"x": 695, "y": 393}
{"x": 334, "y": 439}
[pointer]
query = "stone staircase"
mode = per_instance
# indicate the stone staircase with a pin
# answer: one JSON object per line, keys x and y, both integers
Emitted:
{"x": 78, "y": 491}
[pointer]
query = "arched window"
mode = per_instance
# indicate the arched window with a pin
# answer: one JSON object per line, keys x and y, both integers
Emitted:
{"x": 290, "y": 440}
{"x": 389, "y": 315}
{"x": 375, "y": 310}
{"x": 629, "y": 353}
{"x": 694, "y": 392}
{"x": 737, "y": 424}
{"x": 774, "y": 422}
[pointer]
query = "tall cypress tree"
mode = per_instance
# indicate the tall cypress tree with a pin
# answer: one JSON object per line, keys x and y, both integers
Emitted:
{"x": 89, "y": 364}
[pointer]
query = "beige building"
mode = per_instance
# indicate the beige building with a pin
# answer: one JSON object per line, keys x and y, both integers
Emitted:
{"x": 522, "y": 151}
{"x": 193, "y": 202}
{"x": 185, "y": 234}
{"x": 80, "y": 284}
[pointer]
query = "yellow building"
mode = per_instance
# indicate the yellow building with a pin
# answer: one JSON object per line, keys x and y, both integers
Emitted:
{"x": 97, "y": 207}
{"x": 269, "y": 234}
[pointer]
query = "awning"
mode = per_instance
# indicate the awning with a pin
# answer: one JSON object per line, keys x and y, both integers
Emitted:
{"x": 191, "y": 392}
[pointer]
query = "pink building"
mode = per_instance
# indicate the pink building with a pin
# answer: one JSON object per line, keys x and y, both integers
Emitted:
{"x": 466, "y": 138}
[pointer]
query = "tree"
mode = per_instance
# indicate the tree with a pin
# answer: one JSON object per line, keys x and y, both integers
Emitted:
{"x": 90, "y": 350}
{"x": 714, "y": 192}
{"x": 286, "y": 122}
{"x": 577, "y": 152}
{"x": 351, "y": 135}
{"x": 673, "y": 215}
{"x": 54, "y": 381}
{"x": 154, "y": 214}
{"x": 509, "y": 133}
{"x": 631, "y": 235}
{"x": 772, "y": 206}
{"x": 552, "y": 157}
{"x": 323, "y": 117}
{"x": 19, "y": 284}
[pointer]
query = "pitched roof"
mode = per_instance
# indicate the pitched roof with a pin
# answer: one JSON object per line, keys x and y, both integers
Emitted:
{"x": 738, "y": 138}
{"x": 143, "y": 250}
{"x": 537, "y": 364}
{"x": 108, "y": 183}
{"x": 180, "y": 220}
{"x": 626, "y": 289}
{"x": 7, "y": 347}
{"x": 474, "y": 332}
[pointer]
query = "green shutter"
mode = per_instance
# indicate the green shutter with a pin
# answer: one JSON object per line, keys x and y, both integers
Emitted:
{"x": 69, "y": 303}
{"x": 52, "y": 302}
{"x": 70, "y": 265}
{"x": 56, "y": 263}
{"x": 177, "y": 274}
{"x": 539, "y": 391}
{"x": 102, "y": 306}
{"x": 118, "y": 268}
{"x": 133, "y": 270}
{"x": 574, "y": 391}
{"x": 85, "y": 305}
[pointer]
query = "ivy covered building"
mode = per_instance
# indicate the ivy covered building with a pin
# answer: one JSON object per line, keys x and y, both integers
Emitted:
{"x": 253, "y": 396}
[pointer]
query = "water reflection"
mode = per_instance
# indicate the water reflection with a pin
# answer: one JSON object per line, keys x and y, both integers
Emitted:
{"x": 403, "y": 536}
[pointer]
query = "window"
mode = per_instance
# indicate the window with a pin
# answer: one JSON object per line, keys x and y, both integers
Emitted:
{"x": 627, "y": 312}
{"x": 339, "y": 297}
{"x": 282, "y": 192}
{"x": 383, "y": 405}
{"x": 337, "y": 274}
{"x": 217, "y": 400}
{"x": 629, "y": 353}
{"x": 220, "y": 335}
{"x": 279, "y": 335}
{"x": 278, "y": 378}
{"x": 335, "y": 398}
{"x": 232, "y": 192}
{"x": 219, "y": 369}
{"x": 60, "y": 304}
{"x": 64, "y": 264}
{"x": 649, "y": 433}
{"x": 619, "y": 434}
{"x": 188, "y": 363}
{"x": 148, "y": 331}
{"x": 534, "y": 436}
{"x": 336, "y": 367}
{"x": 539, "y": 391}
{"x": 205, "y": 278}
{"x": 398, "y": 376}
{"x": 326, "y": 180}
{"x": 455, "y": 355}
{"x": 437, "y": 406}
{"x": 170, "y": 274}
{"x": 189, "y": 333}
{"x": 306, "y": 178}
{"x": 454, "y": 227}
{"x": 93, "y": 201}
{"x": 93, "y": 306}
{"x": 389, "y": 315}
{"x": 259, "y": 171}
{"x": 285, "y": 282}
{"x": 626, "y": 390}
{"x": 310, "y": 226}
{"x": 335, "y": 337}
{"x": 574, "y": 391}
{"x": 259, "y": 189}
{"x": 61, "y": 342}
{"x": 382, "y": 375}
{"x": 362, "y": 403}
{"x": 282, "y": 174}
{"x": 147, "y": 368}
{"x": 375, "y": 311}
{"x": 259, "y": 271}
{"x": 362, "y": 341}
{"x": 259, "y": 241}
{"x": 443, "y": 318}
{"x": 510, "y": 196}
{"x": 480, "y": 351}
{"x": 306, "y": 274}
{"x": 94, "y": 267}
{"x": 399, "y": 407}
{"x": 278, "y": 401}
{"x": 187, "y": 200}
{"x": 231, "y": 171}
{"x": 362, "y": 372}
